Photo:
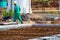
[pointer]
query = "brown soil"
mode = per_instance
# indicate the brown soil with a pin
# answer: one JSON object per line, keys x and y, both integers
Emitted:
{"x": 31, "y": 32}
{"x": 37, "y": 18}
{"x": 28, "y": 33}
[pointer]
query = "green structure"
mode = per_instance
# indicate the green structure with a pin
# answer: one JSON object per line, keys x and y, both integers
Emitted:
{"x": 3, "y": 3}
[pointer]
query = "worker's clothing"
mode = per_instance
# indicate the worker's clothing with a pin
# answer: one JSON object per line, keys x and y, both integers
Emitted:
{"x": 17, "y": 14}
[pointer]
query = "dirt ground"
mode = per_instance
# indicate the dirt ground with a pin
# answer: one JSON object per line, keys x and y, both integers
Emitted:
{"x": 32, "y": 32}
{"x": 40, "y": 19}
{"x": 28, "y": 33}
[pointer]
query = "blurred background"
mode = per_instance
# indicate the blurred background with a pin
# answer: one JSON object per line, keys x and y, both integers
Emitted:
{"x": 37, "y": 5}
{"x": 45, "y": 5}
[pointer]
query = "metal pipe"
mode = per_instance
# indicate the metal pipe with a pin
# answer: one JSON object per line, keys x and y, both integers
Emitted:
{"x": 18, "y": 26}
{"x": 46, "y": 25}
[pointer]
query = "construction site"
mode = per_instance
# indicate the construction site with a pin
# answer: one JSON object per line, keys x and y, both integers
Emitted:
{"x": 42, "y": 24}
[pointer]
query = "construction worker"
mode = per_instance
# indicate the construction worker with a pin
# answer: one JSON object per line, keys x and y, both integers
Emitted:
{"x": 17, "y": 13}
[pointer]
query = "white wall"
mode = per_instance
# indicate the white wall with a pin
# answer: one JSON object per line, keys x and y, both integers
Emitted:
{"x": 24, "y": 4}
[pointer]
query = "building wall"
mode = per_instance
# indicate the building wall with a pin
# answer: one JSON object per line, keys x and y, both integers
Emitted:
{"x": 25, "y": 5}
